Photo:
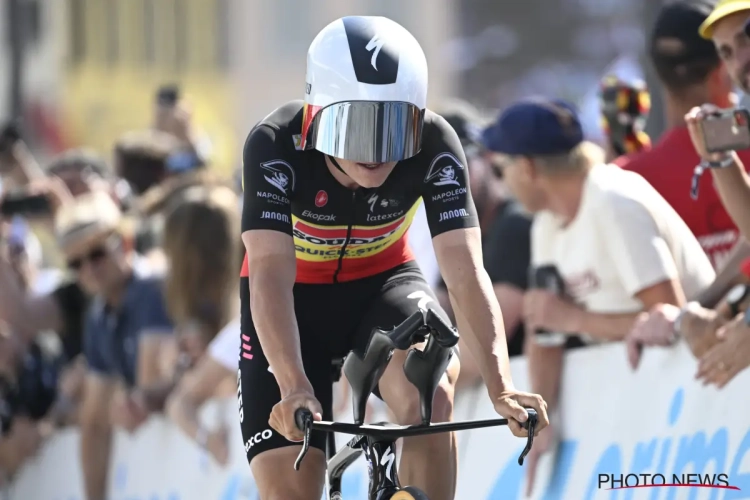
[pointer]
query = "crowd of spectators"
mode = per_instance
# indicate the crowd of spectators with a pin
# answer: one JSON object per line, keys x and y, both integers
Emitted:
{"x": 118, "y": 279}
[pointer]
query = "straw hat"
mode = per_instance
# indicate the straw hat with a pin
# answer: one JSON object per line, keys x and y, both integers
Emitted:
{"x": 88, "y": 218}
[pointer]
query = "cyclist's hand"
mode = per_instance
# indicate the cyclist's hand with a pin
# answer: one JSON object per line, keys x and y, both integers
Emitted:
{"x": 512, "y": 405}
{"x": 282, "y": 414}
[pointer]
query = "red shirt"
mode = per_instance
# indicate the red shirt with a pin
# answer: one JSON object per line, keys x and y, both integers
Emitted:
{"x": 668, "y": 166}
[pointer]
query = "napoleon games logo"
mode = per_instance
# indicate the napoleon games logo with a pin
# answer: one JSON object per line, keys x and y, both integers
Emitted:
{"x": 443, "y": 170}
{"x": 281, "y": 175}
{"x": 630, "y": 481}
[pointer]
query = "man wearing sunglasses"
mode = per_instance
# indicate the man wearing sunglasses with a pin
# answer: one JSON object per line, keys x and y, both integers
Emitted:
{"x": 123, "y": 334}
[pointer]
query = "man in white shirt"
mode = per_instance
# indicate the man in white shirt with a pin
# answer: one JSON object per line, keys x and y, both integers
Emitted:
{"x": 619, "y": 247}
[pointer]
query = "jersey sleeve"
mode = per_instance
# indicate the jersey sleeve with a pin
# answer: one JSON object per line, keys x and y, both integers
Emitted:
{"x": 268, "y": 182}
{"x": 445, "y": 187}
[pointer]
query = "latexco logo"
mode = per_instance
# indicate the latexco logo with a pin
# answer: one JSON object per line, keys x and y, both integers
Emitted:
{"x": 626, "y": 481}
{"x": 257, "y": 438}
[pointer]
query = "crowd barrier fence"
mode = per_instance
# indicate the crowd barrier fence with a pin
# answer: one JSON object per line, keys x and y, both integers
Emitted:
{"x": 612, "y": 420}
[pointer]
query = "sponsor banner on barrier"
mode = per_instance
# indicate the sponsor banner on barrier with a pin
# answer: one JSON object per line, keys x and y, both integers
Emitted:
{"x": 614, "y": 422}
{"x": 619, "y": 429}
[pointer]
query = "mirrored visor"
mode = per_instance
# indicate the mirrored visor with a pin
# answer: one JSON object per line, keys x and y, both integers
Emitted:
{"x": 368, "y": 132}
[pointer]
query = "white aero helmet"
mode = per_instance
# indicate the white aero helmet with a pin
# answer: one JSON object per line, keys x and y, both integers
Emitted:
{"x": 366, "y": 91}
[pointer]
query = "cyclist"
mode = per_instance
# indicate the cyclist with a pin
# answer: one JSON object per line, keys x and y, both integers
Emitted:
{"x": 331, "y": 186}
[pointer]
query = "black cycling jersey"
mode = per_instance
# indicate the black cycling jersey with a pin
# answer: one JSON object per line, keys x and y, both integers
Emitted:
{"x": 342, "y": 234}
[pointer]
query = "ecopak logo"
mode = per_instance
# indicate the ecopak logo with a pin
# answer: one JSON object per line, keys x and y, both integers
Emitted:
{"x": 626, "y": 481}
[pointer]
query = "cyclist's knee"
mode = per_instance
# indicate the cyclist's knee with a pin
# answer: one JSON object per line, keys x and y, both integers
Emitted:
{"x": 305, "y": 484}
{"x": 408, "y": 408}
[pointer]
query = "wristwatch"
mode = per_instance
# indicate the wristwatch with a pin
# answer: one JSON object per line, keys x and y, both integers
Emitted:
{"x": 736, "y": 296}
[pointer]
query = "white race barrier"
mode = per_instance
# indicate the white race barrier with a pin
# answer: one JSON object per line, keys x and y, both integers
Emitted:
{"x": 656, "y": 420}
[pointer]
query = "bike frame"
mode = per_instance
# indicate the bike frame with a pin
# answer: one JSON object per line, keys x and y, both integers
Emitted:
{"x": 381, "y": 461}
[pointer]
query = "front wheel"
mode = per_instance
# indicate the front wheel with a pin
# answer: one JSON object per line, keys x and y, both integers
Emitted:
{"x": 409, "y": 493}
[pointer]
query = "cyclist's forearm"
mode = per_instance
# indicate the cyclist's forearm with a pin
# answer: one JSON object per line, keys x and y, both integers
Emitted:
{"x": 733, "y": 186}
{"x": 272, "y": 306}
{"x": 480, "y": 322}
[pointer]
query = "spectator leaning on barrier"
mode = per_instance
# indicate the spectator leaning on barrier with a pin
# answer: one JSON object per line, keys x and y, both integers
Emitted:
{"x": 727, "y": 26}
{"x": 691, "y": 73}
{"x": 618, "y": 246}
{"x": 124, "y": 332}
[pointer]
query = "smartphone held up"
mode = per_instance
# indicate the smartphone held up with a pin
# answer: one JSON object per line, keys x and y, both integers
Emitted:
{"x": 726, "y": 130}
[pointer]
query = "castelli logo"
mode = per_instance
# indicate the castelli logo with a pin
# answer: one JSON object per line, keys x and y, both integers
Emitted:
{"x": 321, "y": 198}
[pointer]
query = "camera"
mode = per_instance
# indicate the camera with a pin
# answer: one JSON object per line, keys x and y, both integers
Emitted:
{"x": 726, "y": 130}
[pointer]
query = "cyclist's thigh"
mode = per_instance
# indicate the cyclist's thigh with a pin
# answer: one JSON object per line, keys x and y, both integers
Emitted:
{"x": 401, "y": 295}
{"x": 404, "y": 293}
{"x": 258, "y": 392}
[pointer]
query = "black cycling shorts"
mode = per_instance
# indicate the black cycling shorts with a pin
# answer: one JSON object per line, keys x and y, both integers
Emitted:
{"x": 333, "y": 319}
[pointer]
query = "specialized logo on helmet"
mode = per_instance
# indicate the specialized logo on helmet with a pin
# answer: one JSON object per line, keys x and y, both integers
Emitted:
{"x": 444, "y": 170}
{"x": 375, "y": 44}
{"x": 374, "y": 56}
{"x": 281, "y": 175}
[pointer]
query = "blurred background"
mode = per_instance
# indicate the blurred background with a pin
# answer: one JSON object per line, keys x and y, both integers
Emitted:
{"x": 84, "y": 71}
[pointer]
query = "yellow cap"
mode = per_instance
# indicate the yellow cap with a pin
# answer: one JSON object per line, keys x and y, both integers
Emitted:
{"x": 723, "y": 9}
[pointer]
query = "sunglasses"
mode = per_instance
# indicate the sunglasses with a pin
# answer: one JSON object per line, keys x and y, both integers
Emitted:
{"x": 94, "y": 255}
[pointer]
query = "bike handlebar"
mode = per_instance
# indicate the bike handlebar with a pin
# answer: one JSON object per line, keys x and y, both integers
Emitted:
{"x": 304, "y": 420}
{"x": 402, "y": 335}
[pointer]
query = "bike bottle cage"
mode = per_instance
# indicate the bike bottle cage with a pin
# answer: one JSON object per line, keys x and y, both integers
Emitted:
{"x": 422, "y": 369}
